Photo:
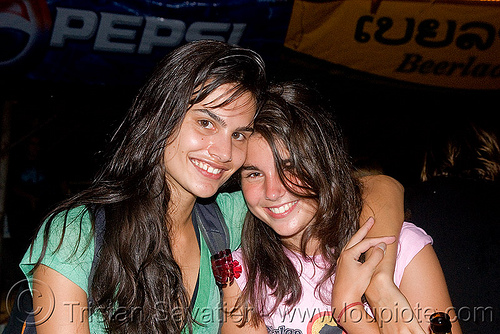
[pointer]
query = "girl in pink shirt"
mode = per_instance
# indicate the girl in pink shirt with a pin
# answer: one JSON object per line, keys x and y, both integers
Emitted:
{"x": 301, "y": 248}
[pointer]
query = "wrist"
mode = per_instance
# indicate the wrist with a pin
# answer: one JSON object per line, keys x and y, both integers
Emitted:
{"x": 380, "y": 283}
{"x": 349, "y": 312}
{"x": 339, "y": 302}
{"x": 342, "y": 316}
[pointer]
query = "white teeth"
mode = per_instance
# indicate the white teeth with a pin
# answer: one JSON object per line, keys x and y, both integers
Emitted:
{"x": 283, "y": 208}
{"x": 207, "y": 167}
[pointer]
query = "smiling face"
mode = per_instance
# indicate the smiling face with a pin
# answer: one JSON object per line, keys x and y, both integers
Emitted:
{"x": 211, "y": 144}
{"x": 268, "y": 199}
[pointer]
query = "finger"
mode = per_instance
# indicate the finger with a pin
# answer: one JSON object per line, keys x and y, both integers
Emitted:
{"x": 361, "y": 233}
{"x": 368, "y": 243}
{"x": 370, "y": 220}
{"x": 376, "y": 256}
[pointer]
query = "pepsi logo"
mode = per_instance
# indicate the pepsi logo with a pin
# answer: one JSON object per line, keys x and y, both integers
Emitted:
{"x": 24, "y": 27}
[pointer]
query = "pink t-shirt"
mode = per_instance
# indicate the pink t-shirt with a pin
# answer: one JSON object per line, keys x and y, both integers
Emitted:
{"x": 311, "y": 315}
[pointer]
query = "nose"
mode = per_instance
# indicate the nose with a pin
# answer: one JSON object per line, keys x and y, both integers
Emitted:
{"x": 274, "y": 188}
{"x": 221, "y": 149}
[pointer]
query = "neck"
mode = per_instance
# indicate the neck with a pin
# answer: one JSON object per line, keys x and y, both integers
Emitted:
{"x": 294, "y": 245}
{"x": 179, "y": 210}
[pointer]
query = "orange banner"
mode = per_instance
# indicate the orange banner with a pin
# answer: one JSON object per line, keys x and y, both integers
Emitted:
{"x": 439, "y": 43}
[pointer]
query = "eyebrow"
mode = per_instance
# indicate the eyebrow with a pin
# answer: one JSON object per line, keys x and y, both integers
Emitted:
{"x": 249, "y": 167}
{"x": 213, "y": 116}
{"x": 245, "y": 129}
{"x": 222, "y": 122}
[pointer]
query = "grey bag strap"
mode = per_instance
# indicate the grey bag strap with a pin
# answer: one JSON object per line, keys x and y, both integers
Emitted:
{"x": 211, "y": 223}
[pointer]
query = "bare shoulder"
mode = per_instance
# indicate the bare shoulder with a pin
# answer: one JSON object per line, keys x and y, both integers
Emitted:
{"x": 61, "y": 304}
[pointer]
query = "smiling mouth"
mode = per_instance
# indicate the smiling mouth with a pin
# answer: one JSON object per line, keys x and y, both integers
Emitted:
{"x": 282, "y": 209}
{"x": 206, "y": 167}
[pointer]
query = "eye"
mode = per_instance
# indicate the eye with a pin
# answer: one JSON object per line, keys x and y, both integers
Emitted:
{"x": 205, "y": 123}
{"x": 239, "y": 136}
{"x": 252, "y": 175}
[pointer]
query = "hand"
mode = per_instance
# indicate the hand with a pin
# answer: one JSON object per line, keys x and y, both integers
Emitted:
{"x": 390, "y": 307}
{"x": 392, "y": 310}
{"x": 353, "y": 277}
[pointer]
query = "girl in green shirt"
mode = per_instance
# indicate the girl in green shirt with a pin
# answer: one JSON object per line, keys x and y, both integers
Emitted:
{"x": 183, "y": 137}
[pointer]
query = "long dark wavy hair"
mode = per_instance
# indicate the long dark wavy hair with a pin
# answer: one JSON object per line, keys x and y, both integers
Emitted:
{"x": 137, "y": 269}
{"x": 294, "y": 118}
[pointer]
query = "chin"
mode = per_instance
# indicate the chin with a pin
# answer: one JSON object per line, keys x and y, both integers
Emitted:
{"x": 207, "y": 192}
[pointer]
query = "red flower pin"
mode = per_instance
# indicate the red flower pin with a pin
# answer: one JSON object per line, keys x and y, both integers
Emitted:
{"x": 225, "y": 268}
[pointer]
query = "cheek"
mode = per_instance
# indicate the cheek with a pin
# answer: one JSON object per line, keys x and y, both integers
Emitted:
{"x": 251, "y": 193}
{"x": 309, "y": 209}
{"x": 193, "y": 141}
{"x": 190, "y": 138}
{"x": 170, "y": 151}
{"x": 239, "y": 154}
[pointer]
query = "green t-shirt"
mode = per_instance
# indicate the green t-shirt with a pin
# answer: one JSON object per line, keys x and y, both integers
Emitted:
{"x": 74, "y": 260}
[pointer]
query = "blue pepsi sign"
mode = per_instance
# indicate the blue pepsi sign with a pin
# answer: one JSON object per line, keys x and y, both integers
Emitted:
{"x": 119, "y": 42}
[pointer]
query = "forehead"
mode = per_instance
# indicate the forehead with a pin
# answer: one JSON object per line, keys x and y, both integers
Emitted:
{"x": 259, "y": 154}
{"x": 259, "y": 148}
{"x": 218, "y": 102}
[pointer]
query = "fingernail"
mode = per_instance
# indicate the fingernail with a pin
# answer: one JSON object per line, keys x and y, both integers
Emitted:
{"x": 382, "y": 246}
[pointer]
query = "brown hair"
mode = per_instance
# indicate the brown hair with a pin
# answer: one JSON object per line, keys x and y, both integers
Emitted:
{"x": 464, "y": 150}
{"x": 294, "y": 118}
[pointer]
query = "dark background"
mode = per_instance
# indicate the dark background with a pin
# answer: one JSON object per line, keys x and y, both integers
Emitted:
{"x": 385, "y": 122}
